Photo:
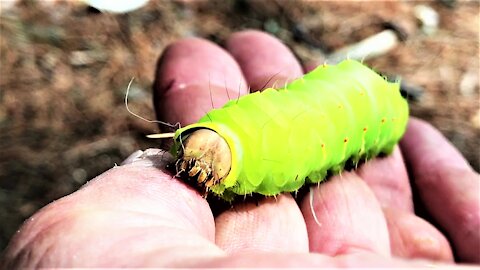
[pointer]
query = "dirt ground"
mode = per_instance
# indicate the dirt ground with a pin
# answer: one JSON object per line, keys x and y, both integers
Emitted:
{"x": 65, "y": 67}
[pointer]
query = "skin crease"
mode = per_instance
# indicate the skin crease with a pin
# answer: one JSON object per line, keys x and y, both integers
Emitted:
{"x": 138, "y": 215}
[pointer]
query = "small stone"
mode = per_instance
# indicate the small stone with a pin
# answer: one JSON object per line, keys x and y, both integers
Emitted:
{"x": 428, "y": 17}
{"x": 469, "y": 83}
{"x": 476, "y": 119}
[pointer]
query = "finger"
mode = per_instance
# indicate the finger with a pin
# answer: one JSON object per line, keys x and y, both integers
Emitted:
{"x": 410, "y": 236}
{"x": 194, "y": 76}
{"x": 447, "y": 185}
{"x": 275, "y": 224}
{"x": 296, "y": 260}
{"x": 265, "y": 61}
{"x": 388, "y": 179}
{"x": 124, "y": 217}
{"x": 413, "y": 237}
{"x": 343, "y": 216}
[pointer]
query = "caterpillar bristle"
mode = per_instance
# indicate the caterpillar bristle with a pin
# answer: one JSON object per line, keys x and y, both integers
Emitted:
{"x": 312, "y": 208}
{"x": 161, "y": 135}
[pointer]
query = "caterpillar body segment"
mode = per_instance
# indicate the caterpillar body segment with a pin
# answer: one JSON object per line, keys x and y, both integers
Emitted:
{"x": 281, "y": 139}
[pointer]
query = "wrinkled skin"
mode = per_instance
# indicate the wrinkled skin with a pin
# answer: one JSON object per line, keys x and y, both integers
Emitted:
{"x": 138, "y": 215}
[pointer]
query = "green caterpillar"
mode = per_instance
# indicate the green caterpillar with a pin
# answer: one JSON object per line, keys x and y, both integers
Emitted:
{"x": 280, "y": 140}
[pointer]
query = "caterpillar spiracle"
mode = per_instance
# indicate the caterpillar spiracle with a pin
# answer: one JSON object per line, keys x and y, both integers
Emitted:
{"x": 278, "y": 140}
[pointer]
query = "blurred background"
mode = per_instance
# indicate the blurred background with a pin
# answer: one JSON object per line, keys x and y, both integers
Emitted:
{"x": 65, "y": 66}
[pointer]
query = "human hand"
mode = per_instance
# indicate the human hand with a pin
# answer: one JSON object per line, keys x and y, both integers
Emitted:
{"x": 139, "y": 215}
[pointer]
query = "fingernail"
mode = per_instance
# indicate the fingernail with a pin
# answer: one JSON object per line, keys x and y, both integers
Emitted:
{"x": 151, "y": 157}
{"x": 130, "y": 159}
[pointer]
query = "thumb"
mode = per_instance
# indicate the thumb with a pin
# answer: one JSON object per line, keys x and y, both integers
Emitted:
{"x": 124, "y": 217}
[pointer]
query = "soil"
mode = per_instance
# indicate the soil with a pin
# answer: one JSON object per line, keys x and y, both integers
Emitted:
{"x": 65, "y": 68}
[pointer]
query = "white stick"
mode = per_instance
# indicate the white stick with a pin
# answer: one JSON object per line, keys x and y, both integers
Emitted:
{"x": 372, "y": 46}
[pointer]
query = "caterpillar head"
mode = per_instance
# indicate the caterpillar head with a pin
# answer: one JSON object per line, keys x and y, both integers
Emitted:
{"x": 204, "y": 159}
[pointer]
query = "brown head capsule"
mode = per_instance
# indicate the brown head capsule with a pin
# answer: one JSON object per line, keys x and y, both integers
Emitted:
{"x": 205, "y": 159}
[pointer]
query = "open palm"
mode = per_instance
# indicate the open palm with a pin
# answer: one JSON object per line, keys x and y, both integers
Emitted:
{"x": 137, "y": 214}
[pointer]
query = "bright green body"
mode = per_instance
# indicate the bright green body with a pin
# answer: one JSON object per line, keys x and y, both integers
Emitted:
{"x": 282, "y": 139}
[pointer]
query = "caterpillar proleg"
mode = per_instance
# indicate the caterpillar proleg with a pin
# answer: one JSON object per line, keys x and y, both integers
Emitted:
{"x": 278, "y": 140}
